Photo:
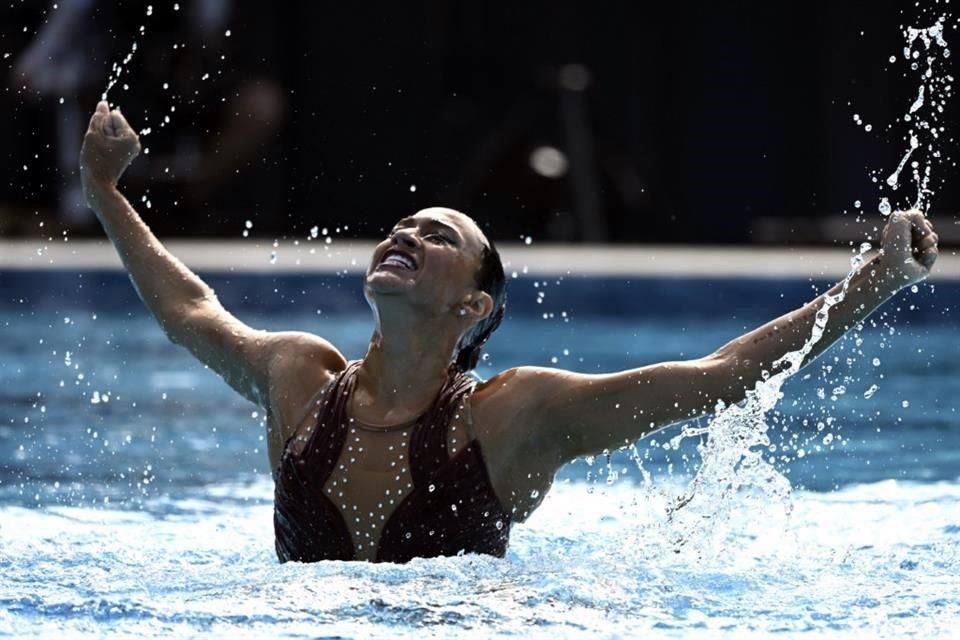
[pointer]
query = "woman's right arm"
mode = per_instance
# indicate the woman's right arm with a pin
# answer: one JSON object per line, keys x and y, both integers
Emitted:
{"x": 186, "y": 307}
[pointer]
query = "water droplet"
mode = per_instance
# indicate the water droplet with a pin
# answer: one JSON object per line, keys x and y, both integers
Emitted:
{"x": 885, "y": 207}
{"x": 227, "y": 33}
{"x": 432, "y": 488}
{"x": 869, "y": 392}
{"x": 534, "y": 494}
{"x": 905, "y": 404}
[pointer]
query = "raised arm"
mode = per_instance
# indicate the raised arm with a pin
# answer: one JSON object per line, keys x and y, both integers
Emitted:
{"x": 186, "y": 308}
{"x": 573, "y": 414}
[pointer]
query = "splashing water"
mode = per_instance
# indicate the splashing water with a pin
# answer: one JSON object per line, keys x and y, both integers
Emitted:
{"x": 118, "y": 67}
{"x": 926, "y": 52}
{"x": 734, "y": 463}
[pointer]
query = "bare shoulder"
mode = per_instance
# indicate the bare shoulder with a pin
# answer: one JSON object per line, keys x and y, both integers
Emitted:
{"x": 526, "y": 410}
{"x": 301, "y": 365}
{"x": 508, "y": 405}
{"x": 507, "y": 414}
{"x": 520, "y": 388}
{"x": 302, "y": 359}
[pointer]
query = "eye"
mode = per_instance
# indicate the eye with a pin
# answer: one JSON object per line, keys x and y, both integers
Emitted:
{"x": 438, "y": 238}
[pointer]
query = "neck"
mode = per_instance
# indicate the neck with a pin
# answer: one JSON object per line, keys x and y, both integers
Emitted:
{"x": 406, "y": 364}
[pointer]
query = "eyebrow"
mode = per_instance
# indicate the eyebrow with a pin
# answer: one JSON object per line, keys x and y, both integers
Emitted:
{"x": 410, "y": 221}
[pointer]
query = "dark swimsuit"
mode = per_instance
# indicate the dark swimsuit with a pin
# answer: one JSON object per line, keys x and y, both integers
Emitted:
{"x": 451, "y": 508}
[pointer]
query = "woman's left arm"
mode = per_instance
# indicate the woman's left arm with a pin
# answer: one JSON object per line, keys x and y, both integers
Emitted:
{"x": 574, "y": 414}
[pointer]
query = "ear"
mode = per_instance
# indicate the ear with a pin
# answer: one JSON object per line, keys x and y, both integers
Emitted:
{"x": 478, "y": 305}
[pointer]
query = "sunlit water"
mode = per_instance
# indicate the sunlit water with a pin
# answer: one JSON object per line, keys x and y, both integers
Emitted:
{"x": 134, "y": 497}
{"x": 876, "y": 559}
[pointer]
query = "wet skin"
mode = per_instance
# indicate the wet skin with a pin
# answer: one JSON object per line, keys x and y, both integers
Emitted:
{"x": 421, "y": 286}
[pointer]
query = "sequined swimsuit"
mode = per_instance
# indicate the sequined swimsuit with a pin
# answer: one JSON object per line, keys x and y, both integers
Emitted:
{"x": 450, "y": 509}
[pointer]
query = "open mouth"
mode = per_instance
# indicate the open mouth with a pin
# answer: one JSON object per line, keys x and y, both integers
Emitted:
{"x": 398, "y": 260}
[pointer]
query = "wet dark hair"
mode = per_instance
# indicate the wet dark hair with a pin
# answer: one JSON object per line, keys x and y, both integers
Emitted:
{"x": 491, "y": 279}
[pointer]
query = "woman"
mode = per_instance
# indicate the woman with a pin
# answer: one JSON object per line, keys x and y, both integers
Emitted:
{"x": 401, "y": 454}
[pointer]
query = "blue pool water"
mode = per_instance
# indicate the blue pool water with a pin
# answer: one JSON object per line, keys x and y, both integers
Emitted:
{"x": 135, "y": 499}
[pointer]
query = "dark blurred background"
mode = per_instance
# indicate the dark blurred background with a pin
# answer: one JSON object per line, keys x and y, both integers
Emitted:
{"x": 658, "y": 122}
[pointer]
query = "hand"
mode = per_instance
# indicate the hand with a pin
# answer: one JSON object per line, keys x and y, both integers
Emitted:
{"x": 908, "y": 248}
{"x": 109, "y": 147}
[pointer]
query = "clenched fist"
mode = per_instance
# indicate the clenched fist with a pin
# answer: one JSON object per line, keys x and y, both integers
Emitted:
{"x": 109, "y": 146}
{"x": 908, "y": 247}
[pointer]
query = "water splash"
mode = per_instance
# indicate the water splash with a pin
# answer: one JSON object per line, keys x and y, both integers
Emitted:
{"x": 734, "y": 457}
{"x": 926, "y": 51}
{"x": 118, "y": 67}
{"x": 734, "y": 467}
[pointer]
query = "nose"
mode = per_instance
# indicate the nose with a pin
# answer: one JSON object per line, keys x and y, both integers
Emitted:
{"x": 405, "y": 238}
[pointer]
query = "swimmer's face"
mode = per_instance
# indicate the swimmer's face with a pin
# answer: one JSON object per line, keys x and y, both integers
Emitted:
{"x": 432, "y": 256}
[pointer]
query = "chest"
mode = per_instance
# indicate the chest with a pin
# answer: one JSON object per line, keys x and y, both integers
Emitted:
{"x": 374, "y": 474}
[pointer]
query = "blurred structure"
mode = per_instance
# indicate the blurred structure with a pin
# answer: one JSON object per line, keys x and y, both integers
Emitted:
{"x": 201, "y": 118}
{"x": 626, "y": 122}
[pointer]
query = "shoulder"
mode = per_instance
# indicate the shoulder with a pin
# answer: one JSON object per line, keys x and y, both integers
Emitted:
{"x": 521, "y": 385}
{"x": 292, "y": 347}
{"x": 299, "y": 364}
{"x": 507, "y": 414}
{"x": 512, "y": 399}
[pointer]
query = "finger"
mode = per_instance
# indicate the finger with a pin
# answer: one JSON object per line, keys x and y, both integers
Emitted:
{"x": 928, "y": 258}
{"x": 94, "y": 125}
{"x": 114, "y": 124}
{"x": 103, "y": 107}
{"x": 922, "y": 222}
{"x": 898, "y": 232}
{"x": 119, "y": 123}
{"x": 923, "y": 235}
{"x": 927, "y": 242}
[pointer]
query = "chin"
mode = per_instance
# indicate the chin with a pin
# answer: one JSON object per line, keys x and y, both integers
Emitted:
{"x": 384, "y": 282}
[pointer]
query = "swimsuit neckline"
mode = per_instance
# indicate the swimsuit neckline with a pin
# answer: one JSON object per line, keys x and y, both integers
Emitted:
{"x": 386, "y": 428}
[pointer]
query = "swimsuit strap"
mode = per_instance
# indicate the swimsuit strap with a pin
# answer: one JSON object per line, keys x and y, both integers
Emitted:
{"x": 330, "y": 432}
{"x": 428, "y": 442}
{"x": 468, "y": 408}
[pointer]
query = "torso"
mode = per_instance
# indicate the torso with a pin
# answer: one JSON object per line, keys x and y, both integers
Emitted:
{"x": 372, "y": 477}
{"x": 372, "y": 474}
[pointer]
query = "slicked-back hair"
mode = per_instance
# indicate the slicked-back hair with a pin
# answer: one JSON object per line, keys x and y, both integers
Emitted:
{"x": 492, "y": 280}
